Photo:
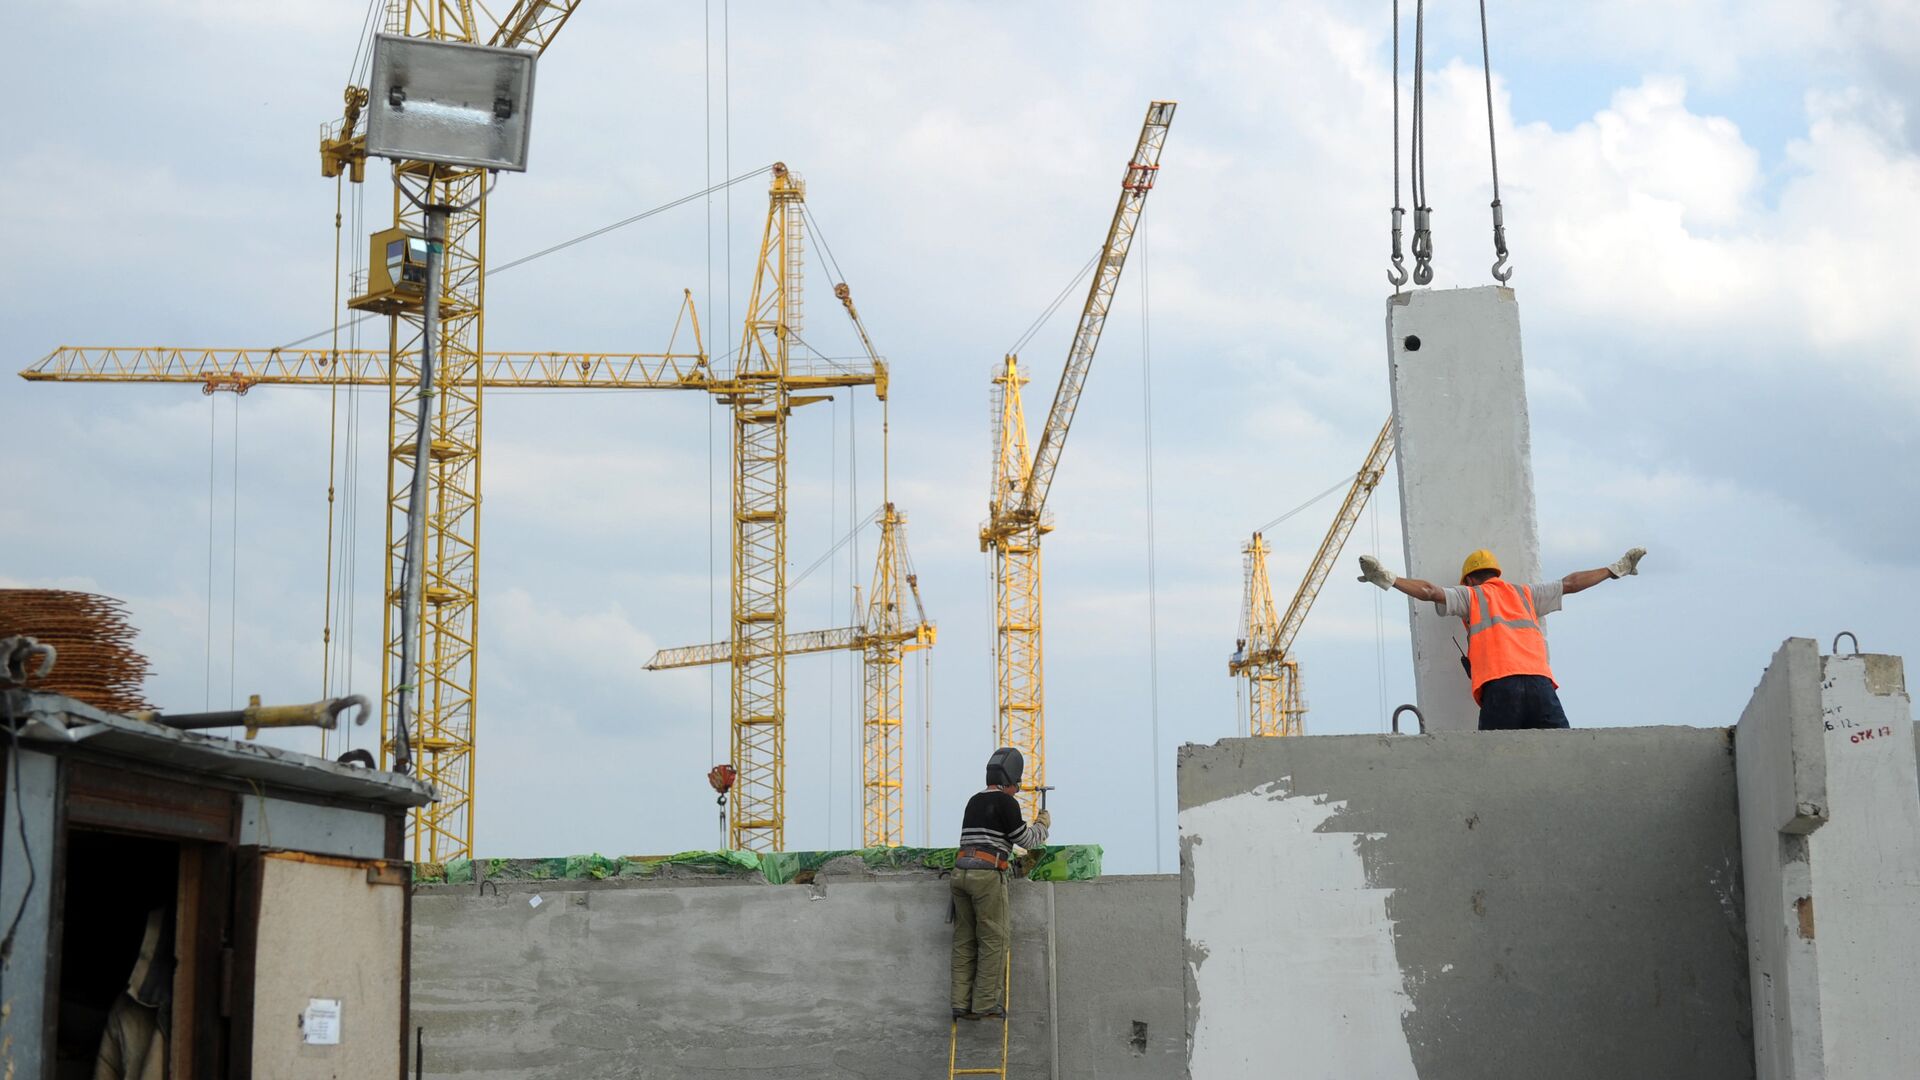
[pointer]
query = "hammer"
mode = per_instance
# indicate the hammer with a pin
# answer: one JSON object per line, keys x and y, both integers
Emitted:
{"x": 1042, "y": 789}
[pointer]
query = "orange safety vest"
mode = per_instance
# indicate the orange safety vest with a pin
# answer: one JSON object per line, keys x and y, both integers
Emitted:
{"x": 1503, "y": 634}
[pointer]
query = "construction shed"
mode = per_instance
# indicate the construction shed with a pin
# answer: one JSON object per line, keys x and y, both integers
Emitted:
{"x": 242, "y": 910}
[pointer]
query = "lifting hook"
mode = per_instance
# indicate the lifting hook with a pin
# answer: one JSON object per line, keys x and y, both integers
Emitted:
{"x": 1398, "y": 275}
{"x": 1422, "y": 245}
{"x": 1501, "y": 271}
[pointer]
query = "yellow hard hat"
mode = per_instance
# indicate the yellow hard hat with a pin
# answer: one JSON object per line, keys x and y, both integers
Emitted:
{"x": 1479, "y": 560}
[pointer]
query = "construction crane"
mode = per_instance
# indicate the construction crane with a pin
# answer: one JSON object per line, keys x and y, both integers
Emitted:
{"x": 762, "y": 388}
{"x": 1016, "y": 511}
{"x": 1276, "y": 704}
{"x": 883, "y": 640}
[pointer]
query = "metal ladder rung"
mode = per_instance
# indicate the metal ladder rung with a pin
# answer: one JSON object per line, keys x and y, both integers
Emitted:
{"x": 953, "y": 1033}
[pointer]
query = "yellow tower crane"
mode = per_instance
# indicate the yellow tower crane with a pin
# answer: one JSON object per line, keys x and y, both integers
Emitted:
{"x": 1276, "y": 704}
{"x": 760, "y": 388}
{"x": 1016, "y": 511}
{"x": 883, "y": 639}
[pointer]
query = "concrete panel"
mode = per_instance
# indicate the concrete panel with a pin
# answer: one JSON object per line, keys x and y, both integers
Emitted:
{"x": 322, "y": 830}
{"x": 1459, "y": 907}
{"x": 1781, "y": 765}
{"x": 24, "y": 1009}
{"x": 1832, "y": 836}
{"x": 847, "y": 978}
{"x": 1463, "y": 452}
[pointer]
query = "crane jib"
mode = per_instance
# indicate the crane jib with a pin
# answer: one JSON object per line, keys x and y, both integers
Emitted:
{"x": 1142, "y": 169}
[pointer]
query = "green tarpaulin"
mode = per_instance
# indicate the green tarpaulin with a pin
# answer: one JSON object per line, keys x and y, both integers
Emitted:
{"x": 1066, "y": 862}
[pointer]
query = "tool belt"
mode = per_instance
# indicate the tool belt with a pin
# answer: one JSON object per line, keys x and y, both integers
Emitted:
{"x": 979, "y": 859}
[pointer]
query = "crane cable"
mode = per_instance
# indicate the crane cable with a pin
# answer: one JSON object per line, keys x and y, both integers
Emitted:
{"x": 1417, "y": 154}
{"x": 1153, "y": 598}
{"x": 1501, "y": 271}
{"x": 1041, "y": 320}
{"x": 1398, "y": 275}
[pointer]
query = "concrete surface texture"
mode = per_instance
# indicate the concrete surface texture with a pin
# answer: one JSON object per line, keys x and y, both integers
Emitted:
{"x": 846, "y": 977}
{"x": 1465, "y": 906}
{"x": 1830, "y": 797}
{"x": 1463, "y": 453}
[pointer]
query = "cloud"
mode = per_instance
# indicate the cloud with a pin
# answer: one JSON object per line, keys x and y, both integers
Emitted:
{"x": 1711, "y": 292}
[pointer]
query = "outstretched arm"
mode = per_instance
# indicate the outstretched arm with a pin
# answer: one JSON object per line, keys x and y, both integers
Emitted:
{"x": 1373, "y": 573}
{"x": 1581, "y": 580}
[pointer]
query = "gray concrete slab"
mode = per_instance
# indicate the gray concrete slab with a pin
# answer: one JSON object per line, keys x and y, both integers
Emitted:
{"x": 848, "y": 978}
{"x": 1463, "y": 454}
{"x": 1830, "y": 806}
{"x": 1465, "y": 906}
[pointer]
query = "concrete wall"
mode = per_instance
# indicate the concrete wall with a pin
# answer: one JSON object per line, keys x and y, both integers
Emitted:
{"x": 1830, "y": 797}
{"x": 847, "y": 978}
{"x": 1463, "y": 452}
{"x": 1465, "y": 906}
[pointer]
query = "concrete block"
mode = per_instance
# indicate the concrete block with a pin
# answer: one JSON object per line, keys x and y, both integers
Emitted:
{"x": 664, "y": 981}
{"x": 1831, "y": 832}
{"x": 1463, "y": 452}
{"x": 1464, "y": 907}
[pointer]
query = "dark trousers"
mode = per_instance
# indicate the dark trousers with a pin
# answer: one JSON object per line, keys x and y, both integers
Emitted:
{"x": 1520, "y": 701}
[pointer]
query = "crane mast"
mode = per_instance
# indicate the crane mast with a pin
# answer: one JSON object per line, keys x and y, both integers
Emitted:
{"x": 1276, "y": 702}
{"x": 1016, "y": 512}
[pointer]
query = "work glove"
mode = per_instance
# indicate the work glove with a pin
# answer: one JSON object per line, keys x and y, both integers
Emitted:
{"x": 1043, "y": 819}
{"x": 1628, "y": 563}
{"x": 1373, "y": 573}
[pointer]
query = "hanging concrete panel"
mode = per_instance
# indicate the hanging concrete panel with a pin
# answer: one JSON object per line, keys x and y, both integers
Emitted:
{"x": 1464, "y": 457}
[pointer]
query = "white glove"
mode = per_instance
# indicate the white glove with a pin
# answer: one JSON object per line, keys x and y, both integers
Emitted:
{"x": 1043, "y": 819}
{"x": 1373, "y": 573}
{"x": 1628, "y": 563}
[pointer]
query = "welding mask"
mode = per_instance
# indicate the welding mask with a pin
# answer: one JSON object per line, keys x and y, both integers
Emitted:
{"x": 1004, "y": 767}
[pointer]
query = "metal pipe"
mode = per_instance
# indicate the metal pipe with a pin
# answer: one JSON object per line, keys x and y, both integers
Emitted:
{"x": 413, "y": 587}
{"x": 321, "y": 714}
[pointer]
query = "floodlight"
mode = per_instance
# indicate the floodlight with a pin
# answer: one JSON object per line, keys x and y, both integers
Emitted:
{"x": 449, "y": 102}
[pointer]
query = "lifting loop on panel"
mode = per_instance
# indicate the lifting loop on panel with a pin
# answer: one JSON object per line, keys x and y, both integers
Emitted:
{"x": 1417, "y": 715}
{"x": 1848, "y": 634}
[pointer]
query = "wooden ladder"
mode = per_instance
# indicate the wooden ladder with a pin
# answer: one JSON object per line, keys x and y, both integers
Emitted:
{"x": 953, "y": 1034}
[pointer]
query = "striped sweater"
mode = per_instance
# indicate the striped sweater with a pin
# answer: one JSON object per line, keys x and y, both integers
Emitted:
{"x": 993, "y": 823}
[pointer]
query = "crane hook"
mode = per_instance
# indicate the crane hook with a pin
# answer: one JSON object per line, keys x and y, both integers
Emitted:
{"x": 1422, "y": 245}
{"x": 1501, "y": 271}
{"x": 1398, "y": 275}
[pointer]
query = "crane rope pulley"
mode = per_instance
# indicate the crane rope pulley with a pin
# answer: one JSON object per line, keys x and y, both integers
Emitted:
{"x": 1422, "y": 274}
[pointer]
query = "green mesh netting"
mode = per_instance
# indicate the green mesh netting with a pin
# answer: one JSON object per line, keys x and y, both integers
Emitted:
{"x": 1063, "y": 862}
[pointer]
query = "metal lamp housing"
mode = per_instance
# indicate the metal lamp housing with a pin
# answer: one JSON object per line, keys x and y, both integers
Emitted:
{"x": 450, "y": 103}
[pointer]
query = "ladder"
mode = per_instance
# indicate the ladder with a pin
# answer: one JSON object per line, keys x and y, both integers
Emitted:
{"x": 953, "y": 1034}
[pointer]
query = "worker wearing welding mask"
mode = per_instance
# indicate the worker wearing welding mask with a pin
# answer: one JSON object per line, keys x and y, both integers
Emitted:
{"x": 1506, "y": 654}
{"x": 991, "y": 828}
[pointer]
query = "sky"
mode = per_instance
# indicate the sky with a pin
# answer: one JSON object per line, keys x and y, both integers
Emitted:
{"x": 1704, "y": 205}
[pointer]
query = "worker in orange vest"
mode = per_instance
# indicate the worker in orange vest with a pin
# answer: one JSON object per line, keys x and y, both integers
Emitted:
{"x": 1506, "y": 654}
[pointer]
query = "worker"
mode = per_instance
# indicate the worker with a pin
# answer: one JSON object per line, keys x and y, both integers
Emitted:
{"x": 991, "y": 828}
{"x": 1506, "y": 653}
{"x": 134, "y": 1046}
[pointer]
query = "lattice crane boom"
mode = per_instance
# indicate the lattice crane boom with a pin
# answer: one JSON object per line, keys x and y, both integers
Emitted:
{"x": 1276, "y": 702}
{"x": 1016, "y": 511}
{"x": 1142, "y": 168}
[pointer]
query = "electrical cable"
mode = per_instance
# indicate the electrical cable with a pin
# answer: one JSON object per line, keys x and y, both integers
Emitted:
{"x": 26, "y": 849}
{"x": 233, "y": 570}
{"x": 212, "y": 422}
